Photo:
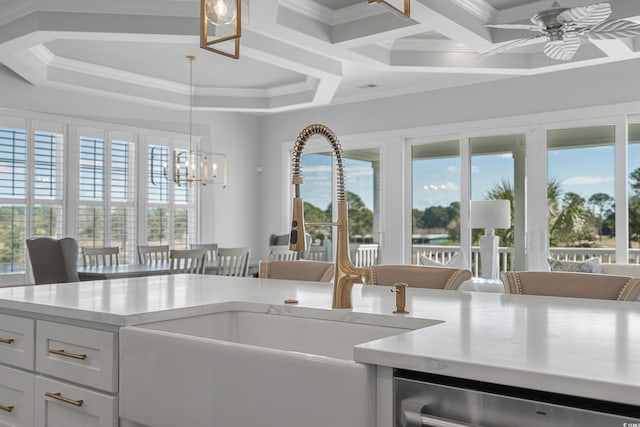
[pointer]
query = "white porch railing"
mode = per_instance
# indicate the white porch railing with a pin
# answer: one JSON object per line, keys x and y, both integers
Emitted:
{"x": 443, "y": 254}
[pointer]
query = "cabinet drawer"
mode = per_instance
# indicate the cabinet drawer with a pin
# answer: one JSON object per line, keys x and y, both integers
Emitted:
{"x": 79, "y": 355}
{"x": 16, "y": 398}
{"x": 16, "y": 341}
{"x": 61, "y": 404}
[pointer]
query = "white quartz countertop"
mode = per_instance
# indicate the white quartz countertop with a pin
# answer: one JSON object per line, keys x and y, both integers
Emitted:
{"x": 581, "y": 347}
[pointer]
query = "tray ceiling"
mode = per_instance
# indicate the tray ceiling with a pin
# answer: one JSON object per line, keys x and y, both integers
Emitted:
{"x": 294, "y": 53}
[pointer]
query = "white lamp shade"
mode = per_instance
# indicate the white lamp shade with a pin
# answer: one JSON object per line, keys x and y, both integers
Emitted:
{"x": 490, "y": 214}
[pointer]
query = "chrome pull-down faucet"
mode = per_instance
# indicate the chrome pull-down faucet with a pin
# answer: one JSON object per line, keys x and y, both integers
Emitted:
{"x": 346, "y": 275}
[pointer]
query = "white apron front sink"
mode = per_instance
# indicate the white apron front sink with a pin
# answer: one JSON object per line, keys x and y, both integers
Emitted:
{"x": 241, "y": 368}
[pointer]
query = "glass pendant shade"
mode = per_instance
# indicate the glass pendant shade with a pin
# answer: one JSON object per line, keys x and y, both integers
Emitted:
{"x": 221, "y": 12}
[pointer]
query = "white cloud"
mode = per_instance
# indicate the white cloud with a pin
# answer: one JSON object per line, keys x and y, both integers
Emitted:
{"x": 453, "y": 169}
{"x": 587, "y": 180}
{"x": 475, "y": 169}
{"x": 449, "y": 186}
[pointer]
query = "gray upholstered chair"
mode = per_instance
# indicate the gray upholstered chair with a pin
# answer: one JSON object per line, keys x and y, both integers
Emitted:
{"x": 153, "y": 254}
{"x": 418, "y": 276}
{"x": 315, "y": 271}
{"x": 577, "y": 285}
{"x": 93, "y": 257}
{"x": 232, "y": 262}
{"x": 53, "y": 260}
{"x": 187, "y": 261}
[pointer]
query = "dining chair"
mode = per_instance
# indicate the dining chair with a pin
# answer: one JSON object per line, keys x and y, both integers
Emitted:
{"x": 576, "y": 285}
{"x": 315, "y": 271}
{"x": 232, "y": 262}
{"x": 282, "y": 253}
{"x": 418, "y": 276}
{"x": 283, "y": 240}
{"x": 94, "y": 257}
{"x": 210, "y": 249}
{"x": 153, "y": 254}
{"x": 53, "y": 260}
{"x": 187, "y": 261}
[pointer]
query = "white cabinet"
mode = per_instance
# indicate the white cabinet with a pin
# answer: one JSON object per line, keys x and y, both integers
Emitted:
{"x": 16, "y": 398}
{"x": 82, "y": 361}
{"x": 16, "y": 341}
{"x": 58, "y": 404}
{"x": 79, "y": 355}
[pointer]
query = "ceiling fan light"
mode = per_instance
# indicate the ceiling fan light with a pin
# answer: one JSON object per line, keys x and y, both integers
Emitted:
{"x": 221, "y": 12}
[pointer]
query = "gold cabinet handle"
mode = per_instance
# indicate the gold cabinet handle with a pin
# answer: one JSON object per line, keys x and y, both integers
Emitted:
{"x": 67, "y": 354}
{"x": 59, "y": 396}
{"x": 7, "y": 340}
{"x": 7, "y": 408}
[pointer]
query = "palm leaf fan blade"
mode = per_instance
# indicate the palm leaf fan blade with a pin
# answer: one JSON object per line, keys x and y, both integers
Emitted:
{"x": 563, "y": 51}
{"x": 616, "y": 29}
{"x": 586, "y": 16}
{"x": 509, "y": 45}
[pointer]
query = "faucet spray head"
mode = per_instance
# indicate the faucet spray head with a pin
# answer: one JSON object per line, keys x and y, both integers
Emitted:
{"x": 296, "y": 238}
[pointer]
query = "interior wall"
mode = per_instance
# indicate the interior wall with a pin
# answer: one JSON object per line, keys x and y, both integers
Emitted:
{"x": 564, "y": 92}
{"x": 230, "y": 215}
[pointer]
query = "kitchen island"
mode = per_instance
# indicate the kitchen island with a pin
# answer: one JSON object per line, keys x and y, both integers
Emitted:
{"x": 577, "y": 347}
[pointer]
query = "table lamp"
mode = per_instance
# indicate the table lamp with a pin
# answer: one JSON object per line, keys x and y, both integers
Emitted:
{"x": 489, "y": 214}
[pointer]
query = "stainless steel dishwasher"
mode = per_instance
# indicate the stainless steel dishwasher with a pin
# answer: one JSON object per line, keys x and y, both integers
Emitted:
{"x": 426, "y": 400}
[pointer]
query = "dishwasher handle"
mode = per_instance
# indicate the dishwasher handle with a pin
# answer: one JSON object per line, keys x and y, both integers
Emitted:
{"x": 413, "y": 416}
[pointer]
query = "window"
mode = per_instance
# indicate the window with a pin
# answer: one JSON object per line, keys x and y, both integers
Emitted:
{"x": 30, "y": 203}
{"x": 634, "y": 193}
{"x": 361, "y": 169}
{"x": 106, "y": 213}
{"x": 436, "y": 198}
{"x": 581, "y": 192}
{"x": 171, "y": 208}
{"x": 13, "y": 164}
{"x": 497, "y": 173}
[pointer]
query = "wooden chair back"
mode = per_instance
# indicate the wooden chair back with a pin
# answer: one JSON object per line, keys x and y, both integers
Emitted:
{"x": 93, "y": 257}
{"x": 210, "y": 251}
{"x": 282, "y": 253}
{"x": 232, "y": 262}
{"x": 153, "y": 254}
{"x": 187, "y": 261}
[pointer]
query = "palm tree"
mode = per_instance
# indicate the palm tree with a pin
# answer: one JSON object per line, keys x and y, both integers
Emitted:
{"x": 569, "y": 221}
{"x": 503, "y": 191}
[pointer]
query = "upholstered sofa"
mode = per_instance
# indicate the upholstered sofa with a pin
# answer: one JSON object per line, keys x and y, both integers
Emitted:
{"x": 630, "y": 270}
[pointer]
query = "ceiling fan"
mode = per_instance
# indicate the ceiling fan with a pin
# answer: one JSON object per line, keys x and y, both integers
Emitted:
{"x": 563, "y": 26}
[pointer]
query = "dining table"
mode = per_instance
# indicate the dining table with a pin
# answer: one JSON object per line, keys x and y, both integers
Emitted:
{"x": 124, "y": 271}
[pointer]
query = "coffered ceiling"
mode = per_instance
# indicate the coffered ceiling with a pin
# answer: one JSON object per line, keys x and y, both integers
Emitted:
{"x": 294, "y": 53}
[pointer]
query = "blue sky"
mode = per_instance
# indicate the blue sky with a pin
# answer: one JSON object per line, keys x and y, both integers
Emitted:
{"x": 584, "y": 171}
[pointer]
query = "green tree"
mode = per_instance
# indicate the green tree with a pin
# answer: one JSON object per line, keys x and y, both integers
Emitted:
{"x": 435, "y": 217}
{"x": 313, "y": 213}
{"x": 360, "y": 217}
{"x": 601, "y": 205}
{"x": 573, "y": 222}
{"x": 634, "y": 178}
{"x": 502, "y": 191}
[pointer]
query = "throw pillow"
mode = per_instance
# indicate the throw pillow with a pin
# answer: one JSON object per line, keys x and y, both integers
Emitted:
{"x": 456, "y": 261}
{"x": 592, "y": 265}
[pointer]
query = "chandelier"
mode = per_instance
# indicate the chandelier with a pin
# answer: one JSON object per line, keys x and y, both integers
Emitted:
{"x": 220, "y": 13}
{"x": 192, "y": 166}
